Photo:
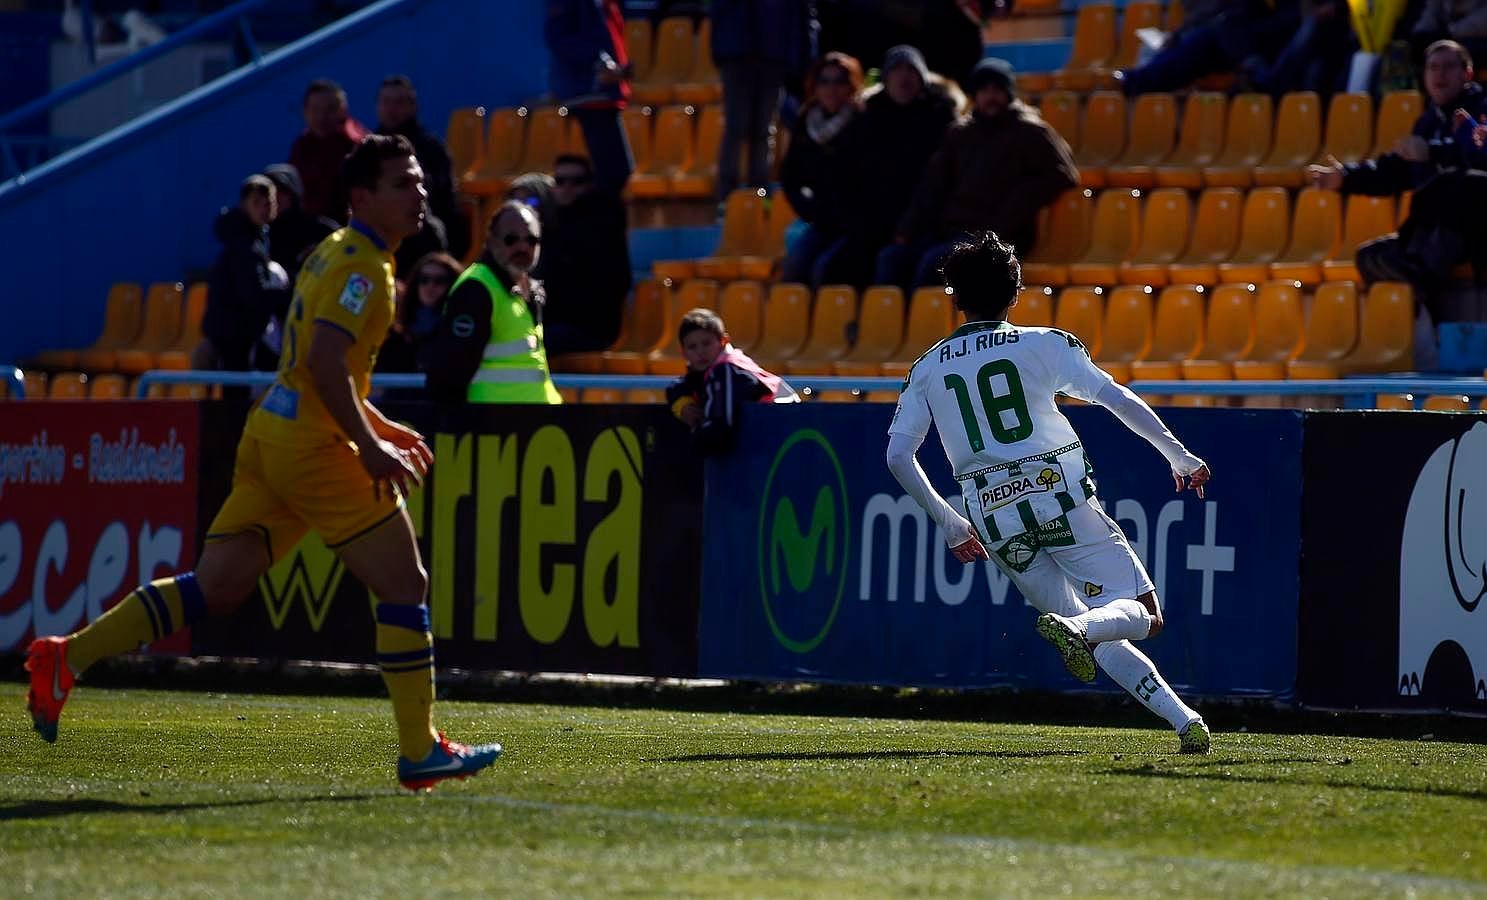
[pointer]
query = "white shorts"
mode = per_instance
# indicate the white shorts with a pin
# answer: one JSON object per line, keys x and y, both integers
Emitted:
{"x": 1067, "y": 570}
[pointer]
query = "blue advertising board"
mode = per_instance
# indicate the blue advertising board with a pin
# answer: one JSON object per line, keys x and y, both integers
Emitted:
{"x": 818, "y": 567}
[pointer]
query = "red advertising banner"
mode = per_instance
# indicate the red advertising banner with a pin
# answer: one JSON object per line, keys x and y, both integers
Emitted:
{"x": 95, "y": 498}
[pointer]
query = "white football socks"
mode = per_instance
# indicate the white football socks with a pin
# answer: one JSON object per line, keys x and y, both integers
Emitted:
{"x": 1118, "y": 620}
{"x": 1132, "y": 670}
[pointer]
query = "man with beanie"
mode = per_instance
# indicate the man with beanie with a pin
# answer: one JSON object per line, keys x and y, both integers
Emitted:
{"x": 294, "y": 232}
{"x": 994, "y": 170}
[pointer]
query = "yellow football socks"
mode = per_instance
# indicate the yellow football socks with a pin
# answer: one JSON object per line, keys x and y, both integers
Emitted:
{"x": 405, "y": 652}
{"x": 149, "y": 613}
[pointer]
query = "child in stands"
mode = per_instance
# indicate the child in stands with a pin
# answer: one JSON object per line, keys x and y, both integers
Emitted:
{"x": 720, "y": 379}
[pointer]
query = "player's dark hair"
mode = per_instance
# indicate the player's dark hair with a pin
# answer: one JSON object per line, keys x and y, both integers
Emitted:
{"x": 984, "y": 275}
{"x": 363, "y": 165}
{"x": 322, "y": 86}
{"x": 255, "y": 184}
{"x": 700, "y": 320}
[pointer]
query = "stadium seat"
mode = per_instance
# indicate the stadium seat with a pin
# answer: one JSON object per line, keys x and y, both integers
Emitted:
{"x": 835, "y": 310}
{"x": 1331, "y": 332}
{"x": 1126, "y": 336}
{"x": 1316, "y": 230}
{"x": 836, "y": 396}
{"x": 639, "y": 125}
{"x": 1134, "y": 17}
{"x": 1262, "y": 236}
{"x": 1403, "y": 210}
{"x": 189, "y": 392}
{"x": 1153, "y": 133}
{"x": 1094, "y": 45}
{"x": 592, "y": 362}
{"x": 505, "y": 144}
{"x": 68, "y": 386}
{"x": 178, "y": 355}
{"x": 1081, "y": 312}
{"x": 547, "y": 133}
{"x": 108, "y": 386}
{"x": 602, "y": 396}
{"x": 465, "y": 137}
{"x": 1447, "y": 403}
{"x": 703, "y": 84}
{"x": 1246, "y": 142}
{"x": 698, "y": 179}
{"x": 1215, "y": 236}
{"x": 931, "y": 318}
{"x": 741, "y": 306}
{"x": 1385, "y": 331}
{"x": 162, "y": 328}
{"x": 1060, "y": 109}
{"x": 570, "y": 394}
{"x": 638, "y": 46}
{"x": 36, "y": 385}
{"x": 1348, "y": 137}
{"x": 1229, "y": 334}
{"x": 156, "y": 391}
{"x": 1298, "y": 135}
{"x": 1394, "y": 401}
{"x": 673, "y": 59}
{"x": 880, "y": 332}
{"x": 121, "y": 322}
{"x": 1117, "y": 222}
{"x": 1063, "y": 235}
{"x": 778, "y": 220}
{"x": 1199, "y": 142}
{"x": 1165, "y": 226}
{"x": 1034, "y": 307}
{"x": 1175, "y": 16}
{"x": 646, "y": 396}
{"x": 887, "y": 396}
{"x": 666, "y": 358}
{"x": 651, "y": 329}
{"x": 673, "y": 133}
{"x": 1102, "y": 136}
{"x": 1177, "y": 334}
{"x": 1278, "y": 333}
{"x": 743, "y": 235}
{"x": 1397, "y": 114}
{"x": 787, "y": 325}
{"x": 1366, "y": 218}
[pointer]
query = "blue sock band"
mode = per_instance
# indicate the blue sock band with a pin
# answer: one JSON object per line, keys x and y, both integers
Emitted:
{"x": 403, "y": 615}
{"x": 193, "y": 603}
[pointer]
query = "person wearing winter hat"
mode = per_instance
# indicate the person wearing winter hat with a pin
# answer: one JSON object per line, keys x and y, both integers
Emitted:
{"x": 295, "y": 231}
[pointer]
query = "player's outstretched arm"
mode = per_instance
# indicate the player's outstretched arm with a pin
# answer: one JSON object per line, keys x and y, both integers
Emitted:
{"x": 401, "y": 437}
{"x": 1140, "y": 418}
{"x": 382, "y": 460}
{"x": 905, "y": 467}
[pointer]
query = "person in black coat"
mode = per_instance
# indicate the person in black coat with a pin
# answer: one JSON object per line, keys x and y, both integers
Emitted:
{"x": 246, "y": 287}
{"x": 585, "y": 261}
{"x": 813, "y": 170}
{"x": 397, "y": 113}
{"x": 295, "y": 231}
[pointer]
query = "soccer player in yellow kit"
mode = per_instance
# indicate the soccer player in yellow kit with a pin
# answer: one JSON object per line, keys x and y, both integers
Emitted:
{"x": 314, "y": 455}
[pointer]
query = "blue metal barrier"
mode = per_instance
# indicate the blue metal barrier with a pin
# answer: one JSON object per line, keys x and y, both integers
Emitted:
{"x": 17, "y": 380}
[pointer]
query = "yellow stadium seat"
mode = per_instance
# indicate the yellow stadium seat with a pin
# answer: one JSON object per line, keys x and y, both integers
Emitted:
{"x": 1063, "y": 236}
{"x": 1448, "y": 403}
{"x": 1397, "y": 114}
{"x": 189, "y": 392}
{"x": 653, "y": 328}
{"x": 570, "y": 394}
{"x": 602, "y": 397}
{"x": 638, "y": 46}
{"x": 743, "y": 235}
{"x": 1175, "y": 15}
{"x": 1177, "y": 334}
{"x": 1331, "y": 332}
{"x": 504, "y": 149}
{"x": 1081, "y": 312}
{"x": 1126, "y": 337}
{"x": 1199, "y": 142}
{"x": 666, "y": 359}
{"x": 1278, "y": 333}
{"x": 880, "y": 332}
{"x": 645, "y": 395}
{"x": 36, "y": 385}
{"x": 837, "y": 396}
{"x": 1229, "y": 335}
{"x": 1349, "y": 132}
{"x": 547, "y": 132}
{"x": 1385, "y": 331}
{"x": 674, "y": 57}
{"x": 671, "y": 141}
{"x": 1298, "y": 135}
{"x": 1034, "y": 307}
{"x": 836, "y": 307}
{"x": 1117, "y": 223}
{"x": 931, "y": 318}
{"x": 68, "y": 386}
{"x": 1215, "y": 236}
{"x": 162, "y": 329}
{"x": 1060, "y": 109}
{"x": 778, "y": 220}
{"x": 697, "y": 180}
{"x": 880, "y": 397}
{"x": 178, "y": 355}
{"x": 1102, "y": 136}
{"x": 1165, "y": 225}
{"x": 1153, "y": 132}
{"x": 465, "y": 136}
{"x": 787, "y": 325}
{"x": 1316, "y": 230}
{"x": 741, "y": 306}
{"x": 156, "y": 391}
{"x": 1366, "y": 218}
{"x": 1394, "y": 401}
{"x": 1094, "y": 45}
{"x": 1134, "y": 17}
{"x": 1262, "y": 236}
{"x": 703, "y": 83}
{"x": 109, "y": 386}
{"x": 637, "y": 334}
{"x": 1246, "y": 142}
{"x": 639, "y": 131}
{"x": 121, "y": 322}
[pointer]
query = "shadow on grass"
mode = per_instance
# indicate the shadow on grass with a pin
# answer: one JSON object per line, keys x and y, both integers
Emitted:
{"x": 1289, "y": 781}
{"x": 865, "y": 755}
{"x": 52, "y": 809}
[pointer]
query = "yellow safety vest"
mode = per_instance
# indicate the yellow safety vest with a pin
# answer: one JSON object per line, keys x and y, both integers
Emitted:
{"x": 514, "y": 366}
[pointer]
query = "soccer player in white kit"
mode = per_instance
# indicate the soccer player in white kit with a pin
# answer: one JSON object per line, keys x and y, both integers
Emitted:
{"x": 989, "y": 389}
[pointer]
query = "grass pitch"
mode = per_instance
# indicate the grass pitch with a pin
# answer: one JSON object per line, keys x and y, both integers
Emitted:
{"x": 190, "y": 794}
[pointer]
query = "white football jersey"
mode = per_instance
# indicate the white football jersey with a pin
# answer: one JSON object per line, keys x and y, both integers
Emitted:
{"x": 989, "y": 389}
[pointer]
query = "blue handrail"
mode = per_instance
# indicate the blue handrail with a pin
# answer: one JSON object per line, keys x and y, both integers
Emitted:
{"x": 17, "y": 380}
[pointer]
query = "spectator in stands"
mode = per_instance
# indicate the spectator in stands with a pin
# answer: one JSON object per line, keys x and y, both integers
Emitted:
{"x": 489, "y": 346}
{"x": 1462, "y": 21}
{"x": 903, "y": 119}
{"x": 947, "y": 32}
{"x": 420, "y": 310}
{"x": 1314, "y": 59}
{"x": 431, "y": 238}
{"x": 815, "y": 166}
{"x": 757, "y": 45}
{"x": 535, "y": 190}
{"x": 294, "y": 231}
{"x": 1421, "y": 255}
{"x": 719, "y": 382}
{"x": 994, "y": 171}
{"x": 329, "y": 135}
{"x": 590, "y": 75}
{"x": 397, "y": 113}
{"x": 585, "y": 261}
{"x": 246, "y": 288}
{"x": 1241, "y": 30}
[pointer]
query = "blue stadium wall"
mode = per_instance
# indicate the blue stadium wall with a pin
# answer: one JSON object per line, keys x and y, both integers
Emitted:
{"x": 138, "y": 204}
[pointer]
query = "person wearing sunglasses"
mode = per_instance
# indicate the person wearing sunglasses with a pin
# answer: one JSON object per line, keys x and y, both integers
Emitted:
{"x": 585, "y": 261}
{"x": 419, "y": 313}
{"x": 489, "y": 346}
{"x": 814, "y": 171}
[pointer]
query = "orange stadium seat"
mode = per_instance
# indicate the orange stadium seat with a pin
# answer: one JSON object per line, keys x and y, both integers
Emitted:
{"x": 741, "y": 306}
{"x": 178, "y": 355}
{"x": 68, "y": 386}
{"x": 638, "y": 46}
{"x": 639, "y": 131}
{"x": 162, "y": 329}
{"x": 505, "y": 143}
{"x": 880, "y": 332}
{"x": 1262, "y": 236}
{"x": 703, "y": 84}
{"x": 1349, "y": 131}
{"x": 1117, "y": 223}
{"x": 1034, "y": 307}
{"x": 36, "y": 385}
{"x": 602, "y": 397}
{"x": 673, "y": 60}
{"x": 1199, "y": 142}
{"x": 1230, "y": 333}
{"x": 743, "y": 236}
{"x": 1215, "y": 236}
{"x": 547, "y": 131}
{"x": 1060, "y": 109}
{"x": 1278, "y": 333}
{"x": 109, "y": 386}
{"x": 1298, "y": 135}
{"x": 698, "y": 179}
{"x": 778, "y": 220}
{"x": 1366, "y": 218}
{"x": 1134, "y": 17}
{"x": 592, "y": 362}
{"x": 670, "y": 149}
{"x": 465, "y": 136}
{"x": 1397, "y": 114}
{"x": 650, "y": 330}
{"x": 931, "y": 318}
{"x": 1385, "y": 331}
{"x": 1081, "y": 312}
{"x": 1331, "y": 332}
{"x": 1063, "y": 235}
{"x": 1165, "y": 227}
{"x": 121, "y": 322}
{"x": 1316, "y": 230}
{"x": 1126, "y": 337}
{"x": 787, "y": 325}
{"x": 1177, "y": 334}
{"x": 1094, "y": 45}
{"x": 666, "y": 358}
{"x": 1153, "y": 132}
{"x": 1447, "y": 403}
{"x": 1102, "y": 136}
{"x": 1246, "y": 142}
{"x": 835, "y": 310}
